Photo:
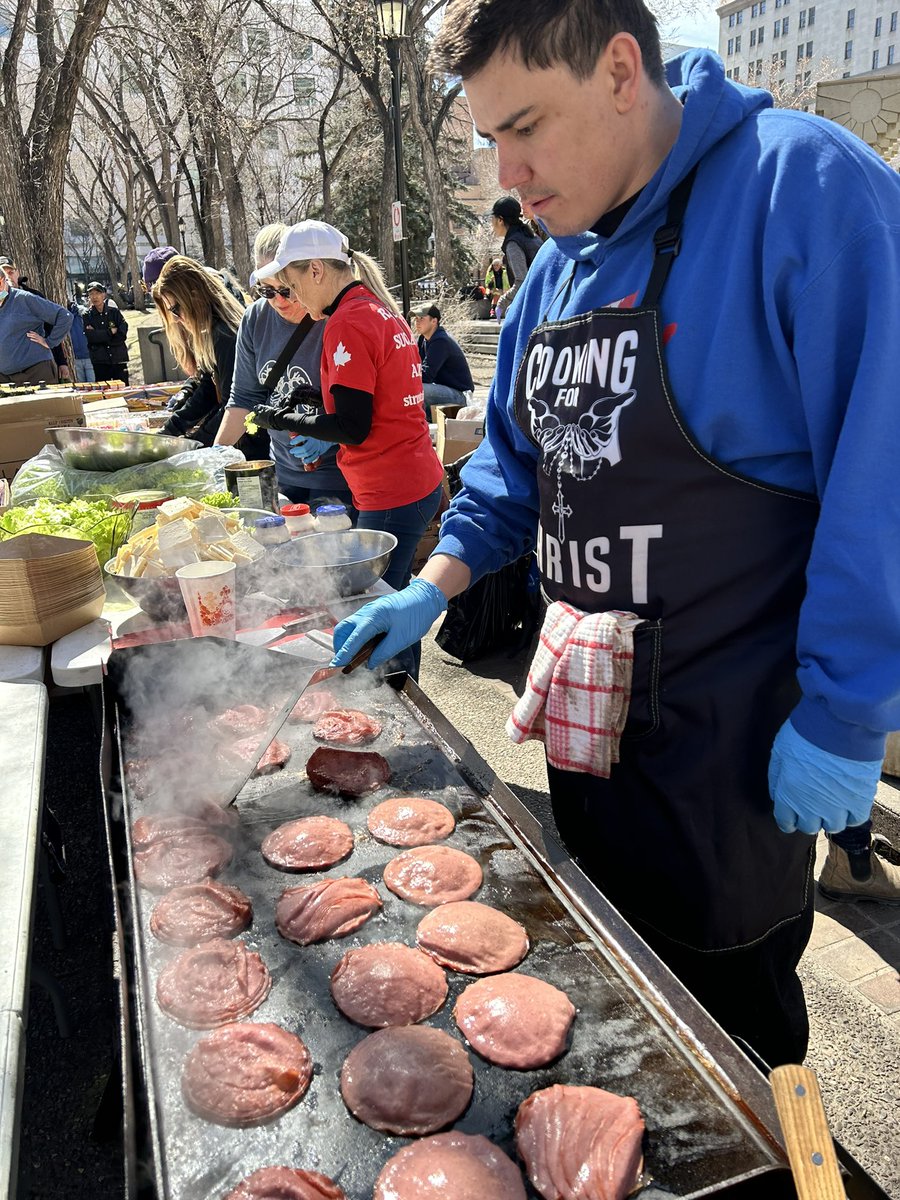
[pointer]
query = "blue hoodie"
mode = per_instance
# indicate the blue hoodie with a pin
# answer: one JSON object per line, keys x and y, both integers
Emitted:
{"x": 780, "y": 323}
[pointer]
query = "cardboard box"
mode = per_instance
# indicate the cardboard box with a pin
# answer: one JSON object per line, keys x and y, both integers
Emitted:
{"x": 24, "y": 420}
{"x": 455, "y": 438}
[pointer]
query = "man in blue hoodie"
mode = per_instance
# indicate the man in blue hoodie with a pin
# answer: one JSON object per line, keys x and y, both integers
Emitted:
{"x": 703, "y": 433}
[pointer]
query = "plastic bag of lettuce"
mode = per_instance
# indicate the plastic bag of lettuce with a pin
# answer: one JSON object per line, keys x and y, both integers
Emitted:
{"x": 193, "y": 473}
{"x": 94, "y": 520}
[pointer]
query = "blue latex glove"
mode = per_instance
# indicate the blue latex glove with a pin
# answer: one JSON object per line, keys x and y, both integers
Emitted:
{"x": 813, "y": 789}
{"x": 406, "y": 617}
{"x": 307, "y": 449}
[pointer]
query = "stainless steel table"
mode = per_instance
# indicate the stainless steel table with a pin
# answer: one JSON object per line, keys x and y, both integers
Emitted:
{"x": 23, "y": 740}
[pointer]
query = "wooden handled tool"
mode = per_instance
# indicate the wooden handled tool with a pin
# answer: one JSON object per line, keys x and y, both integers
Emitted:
{"x": 806, "y": 1134}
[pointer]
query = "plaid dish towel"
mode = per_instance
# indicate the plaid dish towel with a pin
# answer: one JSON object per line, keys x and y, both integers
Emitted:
{"x": 579, "y": 686}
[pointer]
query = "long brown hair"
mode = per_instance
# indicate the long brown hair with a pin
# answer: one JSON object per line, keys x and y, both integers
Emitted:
{"x": 201, "y": 299}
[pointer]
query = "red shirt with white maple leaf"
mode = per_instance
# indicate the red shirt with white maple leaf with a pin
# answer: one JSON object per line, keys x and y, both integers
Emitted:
{"x": 368, "y": 347}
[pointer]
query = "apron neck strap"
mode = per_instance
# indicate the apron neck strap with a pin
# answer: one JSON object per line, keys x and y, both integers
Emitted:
{"x": 667, "y": 240}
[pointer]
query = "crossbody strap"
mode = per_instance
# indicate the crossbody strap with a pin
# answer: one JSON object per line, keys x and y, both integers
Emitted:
{"x": 291, "y": 346}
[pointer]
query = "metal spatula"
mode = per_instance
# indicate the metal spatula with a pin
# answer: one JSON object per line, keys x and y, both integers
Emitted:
{"x": 278, "y": 719}
{"x": 807, "y": 1138}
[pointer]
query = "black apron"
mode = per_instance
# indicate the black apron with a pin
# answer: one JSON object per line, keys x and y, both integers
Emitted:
{"x": 635, "y": 515}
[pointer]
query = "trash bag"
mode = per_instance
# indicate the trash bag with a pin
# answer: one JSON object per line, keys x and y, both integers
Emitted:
{"x": 499, "y": 612}
{"x": 193, "y": 473}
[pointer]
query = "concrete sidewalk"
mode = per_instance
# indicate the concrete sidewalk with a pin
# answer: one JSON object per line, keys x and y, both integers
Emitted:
{"x": 849, "y": 971}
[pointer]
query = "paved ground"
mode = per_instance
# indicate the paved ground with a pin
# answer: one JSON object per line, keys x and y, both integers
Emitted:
{"x": 850, "y": 971}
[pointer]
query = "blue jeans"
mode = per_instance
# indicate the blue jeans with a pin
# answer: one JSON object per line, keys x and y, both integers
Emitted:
{"x": 407, "y": 524}
{"x": 84, "y": 371}
{"x": 439, "y": 393}
{"x": 855, "y": 839}
{"x": 314, "y": 497}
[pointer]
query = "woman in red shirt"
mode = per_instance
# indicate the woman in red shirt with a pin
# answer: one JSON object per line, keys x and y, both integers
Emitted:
{"x": 371, "y": 389}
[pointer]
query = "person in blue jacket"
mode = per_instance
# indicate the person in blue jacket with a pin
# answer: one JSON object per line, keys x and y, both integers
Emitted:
{"x": 694, "y": 418}
{"x": 30, "y": 328}
{"x": 84, "y": 368}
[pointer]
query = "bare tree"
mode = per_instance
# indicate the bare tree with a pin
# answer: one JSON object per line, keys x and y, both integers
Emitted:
{"x": 47, "y": 49}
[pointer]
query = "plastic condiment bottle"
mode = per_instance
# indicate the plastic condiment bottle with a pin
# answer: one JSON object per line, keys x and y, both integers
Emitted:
{"x": 299, "y": 519}
{"x": 270, "y": 531}
{"x": 332, "y": 517}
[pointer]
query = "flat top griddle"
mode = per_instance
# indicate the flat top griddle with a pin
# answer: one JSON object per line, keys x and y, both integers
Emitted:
{"x": 700, "y": 1100}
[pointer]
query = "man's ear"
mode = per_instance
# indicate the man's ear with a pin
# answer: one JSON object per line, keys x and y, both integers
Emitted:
{"x": 623, "y": 62}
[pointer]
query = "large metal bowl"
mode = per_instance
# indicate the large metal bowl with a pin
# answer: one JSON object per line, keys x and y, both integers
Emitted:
{"x": 112, "y": 450}
{"x": 161, "y": 598}
{"x": 317, "y": 566}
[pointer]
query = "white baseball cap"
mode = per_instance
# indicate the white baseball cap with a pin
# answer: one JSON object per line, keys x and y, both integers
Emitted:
{"x": 309, "y": 239}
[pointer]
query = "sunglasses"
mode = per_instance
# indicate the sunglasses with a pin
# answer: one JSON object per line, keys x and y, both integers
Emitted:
{"x": 174, "y": 309}
{"x": 269, "y": 293}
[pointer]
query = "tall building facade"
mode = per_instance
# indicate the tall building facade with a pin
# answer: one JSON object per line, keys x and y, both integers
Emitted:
{"x": 788, "y": 44}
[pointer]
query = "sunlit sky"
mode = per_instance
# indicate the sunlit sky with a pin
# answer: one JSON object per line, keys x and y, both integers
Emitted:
{"x": 700, "y": 28}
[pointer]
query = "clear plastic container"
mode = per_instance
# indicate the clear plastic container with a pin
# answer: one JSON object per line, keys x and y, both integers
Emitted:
{"x": 332, "y": 517}
{"x": 143, "y": 504}
{"x": 299, "y": 519}
{"x": 271, "y": 531}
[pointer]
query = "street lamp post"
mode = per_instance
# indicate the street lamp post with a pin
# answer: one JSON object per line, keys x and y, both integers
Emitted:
{"x": 392, "y": 21}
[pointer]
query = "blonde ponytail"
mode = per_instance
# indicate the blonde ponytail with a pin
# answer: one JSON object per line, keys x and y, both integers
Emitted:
{"x": 368, "y": 272}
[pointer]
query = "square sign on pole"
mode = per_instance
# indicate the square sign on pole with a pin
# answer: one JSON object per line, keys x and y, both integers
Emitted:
{"x": 397, "y": 220}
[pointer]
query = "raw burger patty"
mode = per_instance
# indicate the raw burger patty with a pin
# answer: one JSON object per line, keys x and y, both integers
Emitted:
{"x": 388, "y": 984}
{"x": 147, "y": 830}
{"x": 410, "y": 821}
{"x": 183, "y": 858}
{"x": 346, "y": 727}
{"x": 213, "y": 814}
{"x": 433, "y": 875}
{"x": 347, "y": 772}
{"x": 580, "y": 1143}
{"x": 241, "y": 721}
{"x": 244, "y": 1074}
{"x": 198, "y": 912}
{"x": 472, "y": 937}
{"x": 246, "y": 749}
{"x": 307, "y": 844}
{"x": 515, "y": 1020}
{"x": 286, "y": 1183}
{"x": 409, "y": 1080}
{"x": 310, "y": 708}
{"x": 450, "y": 1166}
{"x": 210, "y": 984}
{"x": 325, "y": 909}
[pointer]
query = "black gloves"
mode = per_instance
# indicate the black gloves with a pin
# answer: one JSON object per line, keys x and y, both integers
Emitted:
{"x": 269, "y": 416}
{"x": 303, "y": 393}
{"x": 184, "y": 394}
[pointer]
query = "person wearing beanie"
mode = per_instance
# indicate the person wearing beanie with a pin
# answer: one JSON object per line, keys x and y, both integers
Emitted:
{"x": 157, "y": 259}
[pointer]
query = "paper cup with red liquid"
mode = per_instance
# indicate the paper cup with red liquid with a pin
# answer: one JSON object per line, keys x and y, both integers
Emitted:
{"x": 208, "y": 591}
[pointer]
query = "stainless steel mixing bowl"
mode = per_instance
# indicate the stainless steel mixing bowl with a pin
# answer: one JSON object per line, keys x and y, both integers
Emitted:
{"x": 112, "y": 450}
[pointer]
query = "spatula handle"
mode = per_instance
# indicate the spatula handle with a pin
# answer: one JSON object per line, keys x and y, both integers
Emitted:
{"x": 364, "y": 653}
{"x": 806, "y": 1134}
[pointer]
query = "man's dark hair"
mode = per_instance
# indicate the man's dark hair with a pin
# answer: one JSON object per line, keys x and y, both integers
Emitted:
{"x": 542, "y": 33}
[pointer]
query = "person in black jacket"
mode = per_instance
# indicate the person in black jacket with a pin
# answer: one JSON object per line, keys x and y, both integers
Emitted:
{"x": 201, "y": 319}
{"x": 520, "y": 245}
{"x": 105, "y": 328}
{"x": 446, "y": 377}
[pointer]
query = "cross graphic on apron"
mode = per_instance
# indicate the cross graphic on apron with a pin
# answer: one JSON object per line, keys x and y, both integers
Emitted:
{"x": 561, "y": 509}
